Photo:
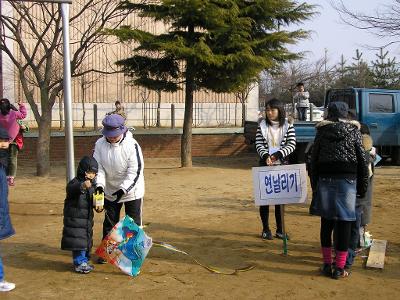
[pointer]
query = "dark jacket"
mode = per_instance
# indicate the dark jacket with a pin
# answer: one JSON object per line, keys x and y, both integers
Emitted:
{"x": 6, "y": 229}
{"x": 338, "y": 152}
{"x": 78, "y": 210}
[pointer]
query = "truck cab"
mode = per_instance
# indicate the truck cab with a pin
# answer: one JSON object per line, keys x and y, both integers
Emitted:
{"x": 380, "y": 110}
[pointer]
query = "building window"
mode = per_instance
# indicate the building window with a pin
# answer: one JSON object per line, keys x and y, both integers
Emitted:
{"x": 381, "y": 103}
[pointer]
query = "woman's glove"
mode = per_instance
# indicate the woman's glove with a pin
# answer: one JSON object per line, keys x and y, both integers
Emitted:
{"x": 119, "y": 194}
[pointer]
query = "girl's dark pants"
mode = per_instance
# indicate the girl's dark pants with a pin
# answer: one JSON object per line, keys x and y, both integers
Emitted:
{"x": 264, "y": 214}
{"x": 342, "y": 233}
{"x": 264, "y": 211}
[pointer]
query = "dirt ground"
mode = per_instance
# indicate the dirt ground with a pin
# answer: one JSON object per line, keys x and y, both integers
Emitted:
{"x": 207, "y": 211}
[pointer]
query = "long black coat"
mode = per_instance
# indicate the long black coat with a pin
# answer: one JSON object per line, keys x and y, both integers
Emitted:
{"x": 78, "y": 211}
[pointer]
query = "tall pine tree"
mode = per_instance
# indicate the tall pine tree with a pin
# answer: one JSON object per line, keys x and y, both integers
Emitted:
{"x": 221, "y": 45}
{"x": 385, "y": 72}
{"x": 359, "y": 73}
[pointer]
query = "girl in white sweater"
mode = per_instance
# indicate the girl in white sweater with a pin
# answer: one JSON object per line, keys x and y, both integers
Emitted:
{"x": 275, "y": 141}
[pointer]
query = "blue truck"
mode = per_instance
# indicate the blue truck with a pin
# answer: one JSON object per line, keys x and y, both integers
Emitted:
{"x": 378, "y": 108}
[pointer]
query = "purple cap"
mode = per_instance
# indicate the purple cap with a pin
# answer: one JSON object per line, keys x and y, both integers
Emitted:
{"x": 113, "y": 125}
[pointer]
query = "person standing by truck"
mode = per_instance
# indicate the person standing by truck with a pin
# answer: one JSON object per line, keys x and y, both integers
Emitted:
{"x": 275, "y": 141}
{"x": 301, "y": 99}
{"x": 340, "y": 173}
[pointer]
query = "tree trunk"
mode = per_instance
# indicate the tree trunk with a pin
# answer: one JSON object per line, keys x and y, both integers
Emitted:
{"x": 60, "y": 111}
{"x": 159, "y": 109}
{"x": 43, "y": 146}
{"x": 186, "y": 139}
{"x": 83, "y": 104}
{"x": 236, "y": 105}
{"x": 243, "y": 112}
{"x": 144, "y": 115}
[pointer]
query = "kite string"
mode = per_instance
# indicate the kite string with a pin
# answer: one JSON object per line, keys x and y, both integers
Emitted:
{"x": 207, "y": 267}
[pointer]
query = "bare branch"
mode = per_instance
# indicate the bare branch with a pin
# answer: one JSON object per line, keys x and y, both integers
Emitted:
{"x": 385, "y": 22}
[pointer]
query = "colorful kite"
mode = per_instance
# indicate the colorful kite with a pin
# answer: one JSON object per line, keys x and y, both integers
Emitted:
{"x": 126, "y": 246}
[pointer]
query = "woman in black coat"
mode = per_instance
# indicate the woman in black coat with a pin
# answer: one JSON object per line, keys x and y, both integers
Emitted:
{"x": 339, "y": 172}
{"x": 77, "y": 233}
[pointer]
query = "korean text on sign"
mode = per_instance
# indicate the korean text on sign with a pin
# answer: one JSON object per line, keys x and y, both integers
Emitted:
{"x": 280, "y": 184}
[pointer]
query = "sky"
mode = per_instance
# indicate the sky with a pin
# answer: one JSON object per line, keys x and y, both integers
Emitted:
{"x": 329, "y": 32}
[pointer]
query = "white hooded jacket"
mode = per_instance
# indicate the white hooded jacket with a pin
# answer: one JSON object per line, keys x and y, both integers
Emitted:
{"x": 121, "y": 166}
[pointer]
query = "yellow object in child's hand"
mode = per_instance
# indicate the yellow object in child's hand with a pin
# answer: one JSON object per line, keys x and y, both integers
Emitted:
{"x": 98, "y": 201}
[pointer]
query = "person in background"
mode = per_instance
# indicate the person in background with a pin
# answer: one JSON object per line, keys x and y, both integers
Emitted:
{"x": 301, "y": 99}
{"x": 340, "y": 172}
{"x": 119, "y": 110}
{"x": 6, "y": 228}
{"x": 363, "y": 204}
{"x": 77, "y": 234}
{"x": 120, "y": 175}
{"x": 9, "y": 115}
{"x": 275, "y": 141}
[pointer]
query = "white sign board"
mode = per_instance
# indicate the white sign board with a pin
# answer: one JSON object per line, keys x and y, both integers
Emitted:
{"x": 286, "y": 184}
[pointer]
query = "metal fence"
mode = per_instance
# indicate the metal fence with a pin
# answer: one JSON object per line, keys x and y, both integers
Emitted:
{"x": 148, "y": 115}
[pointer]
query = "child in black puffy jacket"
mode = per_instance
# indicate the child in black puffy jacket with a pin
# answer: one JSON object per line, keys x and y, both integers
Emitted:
{"x": 77, "y": 233}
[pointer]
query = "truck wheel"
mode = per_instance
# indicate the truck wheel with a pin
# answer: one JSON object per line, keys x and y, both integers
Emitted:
{"x": 396, "y": 156}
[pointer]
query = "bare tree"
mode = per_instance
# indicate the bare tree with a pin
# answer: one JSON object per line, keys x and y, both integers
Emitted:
{"x": 241, "y": 97}
{"x": 145, "y": 95}
{"x": 85, "y": 82}
{"x": 36, "y": 32}
{"x": 385, "y": 22}
{"x": 317, "y": 76}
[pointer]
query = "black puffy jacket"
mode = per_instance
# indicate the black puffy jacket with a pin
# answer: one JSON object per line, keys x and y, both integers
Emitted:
{"x": 338, "y": 152}
{"x": 78, "y": 210}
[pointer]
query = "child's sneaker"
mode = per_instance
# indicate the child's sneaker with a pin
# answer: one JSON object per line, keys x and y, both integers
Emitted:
{"x": 279, "y": 235}
{"x": 11, "y": 180}
{"x": 340, "y": 273}
{"x": 83, "y": 268}
{"x": 266, "y": 235}
{"x": 6, "y": 286}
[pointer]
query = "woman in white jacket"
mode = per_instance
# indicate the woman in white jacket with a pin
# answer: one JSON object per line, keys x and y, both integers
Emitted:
{"x": 120, "y": 174}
